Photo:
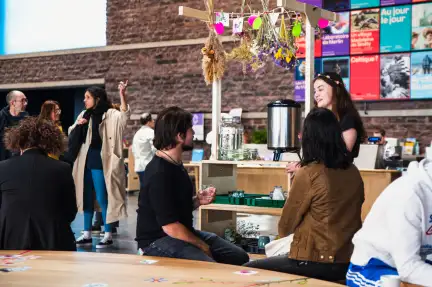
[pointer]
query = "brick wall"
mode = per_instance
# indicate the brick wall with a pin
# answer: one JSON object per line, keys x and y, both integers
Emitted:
{"x": 172, "y": 75}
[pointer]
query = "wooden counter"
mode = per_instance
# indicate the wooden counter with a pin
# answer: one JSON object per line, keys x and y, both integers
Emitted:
{"x": 78, "y": 269}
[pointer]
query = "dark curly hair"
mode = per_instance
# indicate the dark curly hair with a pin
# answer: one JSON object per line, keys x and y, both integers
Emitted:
{"x": 35, "y": 133}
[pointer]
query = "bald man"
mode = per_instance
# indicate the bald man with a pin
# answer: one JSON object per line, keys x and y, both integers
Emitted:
{"x": 10, "y": 116}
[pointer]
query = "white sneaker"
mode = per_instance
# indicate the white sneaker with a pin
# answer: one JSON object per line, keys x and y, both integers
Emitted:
{"x": 82, "y": 241}
{"x": 105, "y": 243}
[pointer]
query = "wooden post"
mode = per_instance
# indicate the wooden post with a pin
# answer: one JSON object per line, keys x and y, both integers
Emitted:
{"x": 310, "y": 66}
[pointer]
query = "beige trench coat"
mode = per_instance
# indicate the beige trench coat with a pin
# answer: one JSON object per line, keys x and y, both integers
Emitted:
{"x": 111, "y": 131}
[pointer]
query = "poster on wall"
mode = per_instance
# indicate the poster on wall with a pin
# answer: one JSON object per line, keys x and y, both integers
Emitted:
{"x": 299, "y": 84}
{"x": 198, "y": 126}
{"x": 339, "y": 65}
{"x": 335, "y": 41}
{"x": 359, "y": 4}
{"x": 421, "y": 27}
{"x": 301, "y": 44}
{"x": 317, "y": 3}
{"x": 394, "y": 2}
{"x": 395, "y": 19}
{"x": 421, "y": 76}
{"x": 365, "y": 78}
{"x": 365, "y": 31}
{"x": 336, "y": 5}
{"x": 395, "y": 76}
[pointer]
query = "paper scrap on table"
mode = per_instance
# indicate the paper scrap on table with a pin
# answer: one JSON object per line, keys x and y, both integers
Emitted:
{"x": 273, "y": 18}
{"x": 9, "y": 256}
{"x": 15, "y": 269}
{"x": 237, "y": 26}
{"x": 148, "y": 262}
{"x": 223, "y": 18}
{"x": 96, "y": 285}
{"x": 246, "y": 272}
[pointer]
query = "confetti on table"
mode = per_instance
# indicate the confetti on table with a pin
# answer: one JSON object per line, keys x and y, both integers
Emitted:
{"x": 15, "y": 269}
{"x": 246, "y": 272}
{"x": 156, "y": 280}
{"x": 148, "y": 262}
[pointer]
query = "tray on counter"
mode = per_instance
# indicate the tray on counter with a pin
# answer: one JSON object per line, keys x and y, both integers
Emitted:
{"x": 250, "y": 200}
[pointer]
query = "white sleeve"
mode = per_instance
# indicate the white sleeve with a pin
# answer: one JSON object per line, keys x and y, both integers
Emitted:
{"x": 151, "y": 137}
{"x": 405, "y": 225}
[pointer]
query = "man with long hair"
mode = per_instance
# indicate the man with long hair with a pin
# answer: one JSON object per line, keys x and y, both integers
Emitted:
{"x": 166, "y": 201}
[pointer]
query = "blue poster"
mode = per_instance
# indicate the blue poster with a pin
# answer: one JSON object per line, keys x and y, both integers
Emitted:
{"x": 421, "y": 76}
{"x": 2, "y": 26}
{"x": 299, "y": 83}
{"x": 395, "y": 19}
{"x": 358, "y": 4}
{"x": 339, "y": 65}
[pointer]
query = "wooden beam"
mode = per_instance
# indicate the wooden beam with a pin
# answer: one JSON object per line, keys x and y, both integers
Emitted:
{"x": 301, "y": 7}
{"x": 193, "y": 13}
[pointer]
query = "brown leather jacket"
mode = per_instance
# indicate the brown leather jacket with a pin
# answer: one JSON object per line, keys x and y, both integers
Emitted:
{"x": 324, "y": 212}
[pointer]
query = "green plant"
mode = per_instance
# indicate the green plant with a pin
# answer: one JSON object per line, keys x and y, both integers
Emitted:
{"x": 259, "y": 136}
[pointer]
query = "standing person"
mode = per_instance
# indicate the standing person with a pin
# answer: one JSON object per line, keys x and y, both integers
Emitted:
{"x": 166, "y": 201}
{"x": 10, "y": 116}
{"x": 142, "y": 145}
{"x": 396, "y": 237}
{"x": 330, "y": 93}
{"x": 50, "y": 111}
{"x": 324, "y": 207}
{"x": 37, "y": 193}
{"x": 100, "y": 164}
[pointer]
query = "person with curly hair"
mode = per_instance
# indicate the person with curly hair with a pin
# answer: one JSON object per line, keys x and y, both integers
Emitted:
{"x": 99, "y": 164}
{"x": 37, "y": 193}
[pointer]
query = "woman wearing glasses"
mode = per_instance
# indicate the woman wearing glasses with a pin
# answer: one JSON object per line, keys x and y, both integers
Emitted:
{"x": 50, "y": 111}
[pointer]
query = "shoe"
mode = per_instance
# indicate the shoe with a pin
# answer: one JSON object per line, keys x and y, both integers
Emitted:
{"x": 105, "y": 243}
{"x": 95, "y": 230}
{"x": 113, "y": 232}
{"x": 82, "y": 241}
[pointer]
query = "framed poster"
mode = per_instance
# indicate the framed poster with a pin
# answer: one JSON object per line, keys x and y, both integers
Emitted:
{"x": 395, "y": 76}
{"x": 359, "y": 4}
{"x": 365, "y": 78}
{"x": 421, "y": 36}
{"x": 336, "y": 5}
{"x": 198, "y": 126}
{"x": 339, "y": 65}
{"x": 299, "y": 83}
{"x": 317, "y": 3}
{"x": 394, "y": 2}
{"x": 421, "y": 76}
{"x": 395, "y": 19}
{"x": 335, "y": 40}
{"x": 301, "y": 44}
{"x": 365, "y": 31}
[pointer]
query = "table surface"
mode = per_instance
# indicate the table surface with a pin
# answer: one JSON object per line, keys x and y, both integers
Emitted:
{"x": 82, "y": 268}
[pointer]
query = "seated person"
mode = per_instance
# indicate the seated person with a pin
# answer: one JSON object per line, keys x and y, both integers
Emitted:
{"x": 37, "y": 193}
{"x": 166, "y": 200}
{"x": 396, "y": 236}
{"x": 324, "y": 205}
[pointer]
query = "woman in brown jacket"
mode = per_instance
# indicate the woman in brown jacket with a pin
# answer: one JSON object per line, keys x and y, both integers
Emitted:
{"x": 324, "y": 206}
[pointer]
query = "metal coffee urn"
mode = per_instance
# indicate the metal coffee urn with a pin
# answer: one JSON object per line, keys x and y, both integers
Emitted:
{"x": 283, "y": 127}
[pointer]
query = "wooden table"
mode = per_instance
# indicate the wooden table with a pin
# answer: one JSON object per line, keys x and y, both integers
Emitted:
{"x": 76, "y": 269}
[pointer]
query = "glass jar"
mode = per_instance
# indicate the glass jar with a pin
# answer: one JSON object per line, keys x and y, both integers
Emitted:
{"x": 230, "y": 139}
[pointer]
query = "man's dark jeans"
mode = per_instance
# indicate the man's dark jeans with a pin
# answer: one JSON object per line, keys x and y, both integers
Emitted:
{"x": 221, "y": 250}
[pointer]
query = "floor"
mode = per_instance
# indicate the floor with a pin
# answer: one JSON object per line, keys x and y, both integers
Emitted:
{"x": 124, "y": 242}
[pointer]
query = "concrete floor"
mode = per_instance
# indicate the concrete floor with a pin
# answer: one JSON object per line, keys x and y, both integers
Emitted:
{"x": 124, "y": 242}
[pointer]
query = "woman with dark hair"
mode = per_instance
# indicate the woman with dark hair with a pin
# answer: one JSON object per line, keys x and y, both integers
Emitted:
{"x": 324, "y": 207}
{"x": 50, "y": 111}
{"x": 330, "y": 93}
{"x": 37, "y": 193}
{"x": 99, "y": 164}
{"x": 142, "y": 145}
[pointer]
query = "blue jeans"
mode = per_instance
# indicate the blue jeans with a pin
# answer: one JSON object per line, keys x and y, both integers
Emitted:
{"x": 94, "y": 178}
{"x": 221, "y": 250}
{"x": 141, "y": 178}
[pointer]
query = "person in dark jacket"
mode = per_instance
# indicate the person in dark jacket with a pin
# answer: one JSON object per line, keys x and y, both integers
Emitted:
{"x": 10, "y": 116}
{"x": 37, "y": 193}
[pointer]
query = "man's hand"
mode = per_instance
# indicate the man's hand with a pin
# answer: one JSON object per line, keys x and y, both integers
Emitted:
{"x": 82, "y": 121}
{"x": 292, "y": 167}
{"x": 206, "y": 196}
{"x": 122, "y": 88}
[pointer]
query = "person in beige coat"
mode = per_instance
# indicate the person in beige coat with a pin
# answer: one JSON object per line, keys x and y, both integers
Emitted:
{"x": 99, "y": 166}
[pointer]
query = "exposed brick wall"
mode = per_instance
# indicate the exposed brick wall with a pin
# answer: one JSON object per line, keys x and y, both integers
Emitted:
{"x": 172, "y": 76}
